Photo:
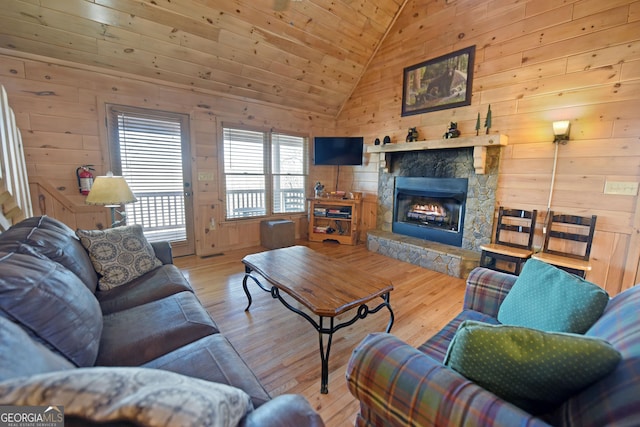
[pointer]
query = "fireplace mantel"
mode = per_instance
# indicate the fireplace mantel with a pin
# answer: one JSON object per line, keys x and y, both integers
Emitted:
{"x": 479, "y": 144}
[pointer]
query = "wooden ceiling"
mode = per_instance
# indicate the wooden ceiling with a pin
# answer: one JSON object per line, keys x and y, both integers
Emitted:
{"x": 302, "y": 54}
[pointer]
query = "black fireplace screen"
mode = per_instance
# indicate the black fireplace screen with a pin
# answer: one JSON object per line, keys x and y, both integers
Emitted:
{"x": 430, "y": 208}
{"x": 437, "y": 212}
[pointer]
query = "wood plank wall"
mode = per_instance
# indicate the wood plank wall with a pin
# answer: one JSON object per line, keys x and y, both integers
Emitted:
{"x": 60, "y": 109}
{"x": 536, "y": 62}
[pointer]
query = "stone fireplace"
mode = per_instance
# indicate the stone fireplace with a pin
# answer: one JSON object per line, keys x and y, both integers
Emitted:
{"x": 476, "y": 212}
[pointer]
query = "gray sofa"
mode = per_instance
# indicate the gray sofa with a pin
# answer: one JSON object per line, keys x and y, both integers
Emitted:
{"x": 53, "y": 318}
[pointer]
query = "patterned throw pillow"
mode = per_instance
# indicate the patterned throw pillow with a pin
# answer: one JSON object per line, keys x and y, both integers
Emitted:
{"x": 119, "y": 254}
{"x": 139, "y": 395}
{"x": 530, "y": 368}
{"x": 548, "y": 298}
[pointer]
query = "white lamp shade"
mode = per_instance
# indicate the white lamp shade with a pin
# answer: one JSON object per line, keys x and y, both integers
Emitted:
{"x": 561, "y": 128}
{"x": 110, "y": 191}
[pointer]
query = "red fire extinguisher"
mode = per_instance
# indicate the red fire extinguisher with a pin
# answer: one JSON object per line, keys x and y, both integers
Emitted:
{"x": 85, "y": 178}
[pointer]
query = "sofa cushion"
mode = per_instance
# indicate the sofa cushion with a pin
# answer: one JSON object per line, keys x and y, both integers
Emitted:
{"x": 52, "y": 303}
{"x": 119, "y": 254}
{"x": 56, "y": 241}
{"x": 140, "y": 334}
{"x": 138, "y": 395}
{"x": 213, "y": 358}
{"x": 154, "y": 285}
{"x": 22, "y": 356}
{"x": 531, "y": 368}
{"x": 548, "y": 298}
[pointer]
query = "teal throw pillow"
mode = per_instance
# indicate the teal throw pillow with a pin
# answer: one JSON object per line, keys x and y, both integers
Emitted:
{"x": 548, "y": 298}
{"x": 532, "y": 369}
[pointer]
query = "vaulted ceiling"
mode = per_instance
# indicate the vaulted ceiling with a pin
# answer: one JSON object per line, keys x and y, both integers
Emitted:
{"x": 303, "y": 54}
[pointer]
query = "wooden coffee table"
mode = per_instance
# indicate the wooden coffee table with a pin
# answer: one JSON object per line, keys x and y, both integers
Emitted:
{"x": 324, "y": 285}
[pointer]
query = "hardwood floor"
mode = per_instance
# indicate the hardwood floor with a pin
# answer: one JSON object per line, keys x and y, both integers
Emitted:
{"x": 282, "y": 348}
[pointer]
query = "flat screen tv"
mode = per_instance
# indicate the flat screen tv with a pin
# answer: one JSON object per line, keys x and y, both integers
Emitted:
{"x": 337, "y": 150}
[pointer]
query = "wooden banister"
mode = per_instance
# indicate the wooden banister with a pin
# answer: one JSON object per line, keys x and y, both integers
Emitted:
{"x": 48, "y": 200}
{"x": 60, "y": 198}
{"x": 15, "y": 199}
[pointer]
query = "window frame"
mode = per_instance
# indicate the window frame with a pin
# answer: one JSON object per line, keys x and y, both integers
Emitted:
{"x": 269, "y": 174}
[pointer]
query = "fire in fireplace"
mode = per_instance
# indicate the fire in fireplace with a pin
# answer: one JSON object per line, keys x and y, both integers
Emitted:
{"x": 430, "y": 208}
{"x": 431, "y": 212}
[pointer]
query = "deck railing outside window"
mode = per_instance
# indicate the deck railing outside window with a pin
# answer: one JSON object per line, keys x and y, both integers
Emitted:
{"x": 248, "y": 203}
{"x": 292, "y": 199}
{"x": 245, "y": 203}
{"x": 161, "y": 215}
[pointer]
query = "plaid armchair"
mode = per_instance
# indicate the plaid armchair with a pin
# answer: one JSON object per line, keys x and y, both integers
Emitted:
{"x": 399, "y": 385}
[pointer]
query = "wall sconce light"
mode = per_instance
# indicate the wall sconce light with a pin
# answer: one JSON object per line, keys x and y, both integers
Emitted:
{"x": 561, "y": 131}
{"x": 111, "y": 192}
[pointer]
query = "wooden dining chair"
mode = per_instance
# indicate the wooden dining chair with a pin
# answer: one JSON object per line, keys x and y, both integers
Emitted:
{"x": 567, "y": 243}
{"x": 513, "y": 242}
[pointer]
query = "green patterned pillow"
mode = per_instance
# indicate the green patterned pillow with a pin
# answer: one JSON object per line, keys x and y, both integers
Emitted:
{"x": 548, "y": 298}
{"x": 118, "y": 254}
{"x": 532, "y": 369}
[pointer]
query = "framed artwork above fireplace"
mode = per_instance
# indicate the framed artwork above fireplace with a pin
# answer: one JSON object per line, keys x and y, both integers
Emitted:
{"x": 439, "y": 83}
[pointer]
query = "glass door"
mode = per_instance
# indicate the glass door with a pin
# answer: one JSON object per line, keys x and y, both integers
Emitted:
{"x": 151, "y": 150}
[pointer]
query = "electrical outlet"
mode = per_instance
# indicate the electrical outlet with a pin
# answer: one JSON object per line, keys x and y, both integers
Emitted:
{"x": 205, "y": 176}
{"x": 621, "y": 188}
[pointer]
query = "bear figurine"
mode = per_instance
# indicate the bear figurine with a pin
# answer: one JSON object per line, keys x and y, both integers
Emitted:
{"x": 452, "y": 132}
{"x": 412, "y": 135}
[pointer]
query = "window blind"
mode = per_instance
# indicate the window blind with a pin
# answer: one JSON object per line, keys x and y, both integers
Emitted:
{"x": 244, "y": 168}
{"x": 288, "y": 159}
{"x": 147, "y": 148}
{"x": 251, "y": 160}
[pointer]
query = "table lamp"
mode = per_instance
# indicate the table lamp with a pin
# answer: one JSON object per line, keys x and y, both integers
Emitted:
{"x": 111, "y": 192}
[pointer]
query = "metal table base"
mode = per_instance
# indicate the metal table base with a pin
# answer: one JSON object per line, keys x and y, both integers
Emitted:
{"x": 362, "y": 312}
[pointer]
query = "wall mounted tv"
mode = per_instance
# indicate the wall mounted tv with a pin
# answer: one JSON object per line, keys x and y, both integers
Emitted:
{"x": 337, "y": 150}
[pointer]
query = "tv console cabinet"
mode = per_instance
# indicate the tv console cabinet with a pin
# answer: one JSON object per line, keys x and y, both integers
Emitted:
{"x": 334, "y": 219}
